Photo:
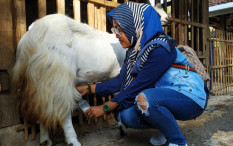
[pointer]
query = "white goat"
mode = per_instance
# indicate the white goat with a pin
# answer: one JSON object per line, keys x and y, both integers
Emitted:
{"x": 53, "y": 56}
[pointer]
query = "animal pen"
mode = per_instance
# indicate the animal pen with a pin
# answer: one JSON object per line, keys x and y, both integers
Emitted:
{"x": 189, "y": 24}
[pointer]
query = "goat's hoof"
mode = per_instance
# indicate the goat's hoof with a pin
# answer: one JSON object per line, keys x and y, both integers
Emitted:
{"x": 46, "y": 143}
{"x": 123, "y": 130}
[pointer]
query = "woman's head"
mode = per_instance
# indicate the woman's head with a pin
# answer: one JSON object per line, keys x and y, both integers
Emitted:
{"x": 116, "y": 29}
{"x": 137, "y": 22}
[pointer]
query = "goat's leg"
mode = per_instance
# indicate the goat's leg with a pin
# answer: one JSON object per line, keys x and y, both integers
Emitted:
{"x": 44, "y": 137}
{"x": 123, "y": 130}
{"x": 70, "y": 135}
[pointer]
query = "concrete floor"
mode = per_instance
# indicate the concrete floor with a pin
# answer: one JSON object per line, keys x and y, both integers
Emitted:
{"x": 213, "y": 128}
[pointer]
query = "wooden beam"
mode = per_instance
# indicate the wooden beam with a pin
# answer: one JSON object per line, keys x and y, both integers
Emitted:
{"x": 41, "y": 8}
{"x": 187, "y": 22}
{"x": 103, "y": 3}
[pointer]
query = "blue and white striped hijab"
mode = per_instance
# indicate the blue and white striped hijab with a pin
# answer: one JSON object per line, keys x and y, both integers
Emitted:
{"x": 140, "y": 23}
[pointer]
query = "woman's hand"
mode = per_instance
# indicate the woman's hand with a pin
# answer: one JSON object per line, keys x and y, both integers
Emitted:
{"x": 94, "y": 112}
{"x": 83, "y": 90}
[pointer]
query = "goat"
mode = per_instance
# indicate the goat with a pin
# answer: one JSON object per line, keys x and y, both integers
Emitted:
{"x": 52, "y": 57}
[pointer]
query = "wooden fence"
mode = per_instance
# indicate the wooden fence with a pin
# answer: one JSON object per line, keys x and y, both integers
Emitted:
{"x": 188, "y": 25}
{"x": 221, "y": 62}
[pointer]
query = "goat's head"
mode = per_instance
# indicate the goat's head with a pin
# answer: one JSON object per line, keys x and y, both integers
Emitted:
{"x": 159, "y": 9}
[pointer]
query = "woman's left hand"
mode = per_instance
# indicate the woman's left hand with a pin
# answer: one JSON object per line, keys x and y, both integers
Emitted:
{"x": 94, "y": 112}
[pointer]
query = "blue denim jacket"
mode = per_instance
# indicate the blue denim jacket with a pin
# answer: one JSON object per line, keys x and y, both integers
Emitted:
{"x": 187, "y": 82}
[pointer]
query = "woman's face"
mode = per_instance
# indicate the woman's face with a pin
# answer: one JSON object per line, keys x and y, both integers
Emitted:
{"x": 120, "y": 35}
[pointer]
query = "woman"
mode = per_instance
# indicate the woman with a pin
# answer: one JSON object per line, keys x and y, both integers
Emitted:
{"x": 156, "y": 84}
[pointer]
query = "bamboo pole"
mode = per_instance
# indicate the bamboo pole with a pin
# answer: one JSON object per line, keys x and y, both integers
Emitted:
{"x": 41, "y": 8}
{"x": 61, "y": 6}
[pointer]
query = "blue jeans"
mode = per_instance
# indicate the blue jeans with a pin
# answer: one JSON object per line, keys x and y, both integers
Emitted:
{"x": 165, "y": 106}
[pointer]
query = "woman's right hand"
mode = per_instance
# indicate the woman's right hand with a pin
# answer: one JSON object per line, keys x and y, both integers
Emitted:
{"x": 83, "y": 89}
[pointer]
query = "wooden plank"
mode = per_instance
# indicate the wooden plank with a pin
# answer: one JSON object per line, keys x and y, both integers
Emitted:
{"x": 91, "y": 14}
{"x": 95, "y": 103}
{"x": 165, "y": 9}
{"x": 99, "y": 21}
{"x": 96, "y": 17}
{"x": 197, "y": 29}
{"x": 20, "y": 22}
{"x": 206, "y": 31}
{"x": 180, "y": 28}
{"x": 192, "y": 27}
{"x": 41, "y": 8}
{"x": 173, "y": 25}
{"x": 12, "y": 12}
{"x": 61, "y": 6}
{"x": 103, "y": 18}
{"x": 77, "y": 10}
{"x": 103, "y": 99}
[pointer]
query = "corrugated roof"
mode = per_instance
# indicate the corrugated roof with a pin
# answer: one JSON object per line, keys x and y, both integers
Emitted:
{"x": 217, "y": 2}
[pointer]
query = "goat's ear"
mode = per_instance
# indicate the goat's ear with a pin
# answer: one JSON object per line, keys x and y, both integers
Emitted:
{"x": 151, "y": 2}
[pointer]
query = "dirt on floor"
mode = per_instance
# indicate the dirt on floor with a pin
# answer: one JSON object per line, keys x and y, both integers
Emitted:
{"x": 213, "y": 128}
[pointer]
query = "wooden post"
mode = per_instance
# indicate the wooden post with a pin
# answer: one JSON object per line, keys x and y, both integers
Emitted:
{"x": 206, "y": 32}
{"x": 99, "y": 19}
{"x": 103, "y": 99}
{"x": 76, "y": 10}
{"x": 41, "y": 8}
{"x": 185, "y": 27}
{"x": 181, "y": 35}
{"x": 197, "y": 29}
{"x": 91, "y": 14}
{"x": 20, "y": 16}
{"x": 96, "y": 17}
{"x": 103, "y": 18}
{"x": 173, "y": 25}
{"x": 165, "y": 9}
{"x": 61, "y": 6}
{"x": 95, "y": 103}
{"x": 192, "y": 28}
